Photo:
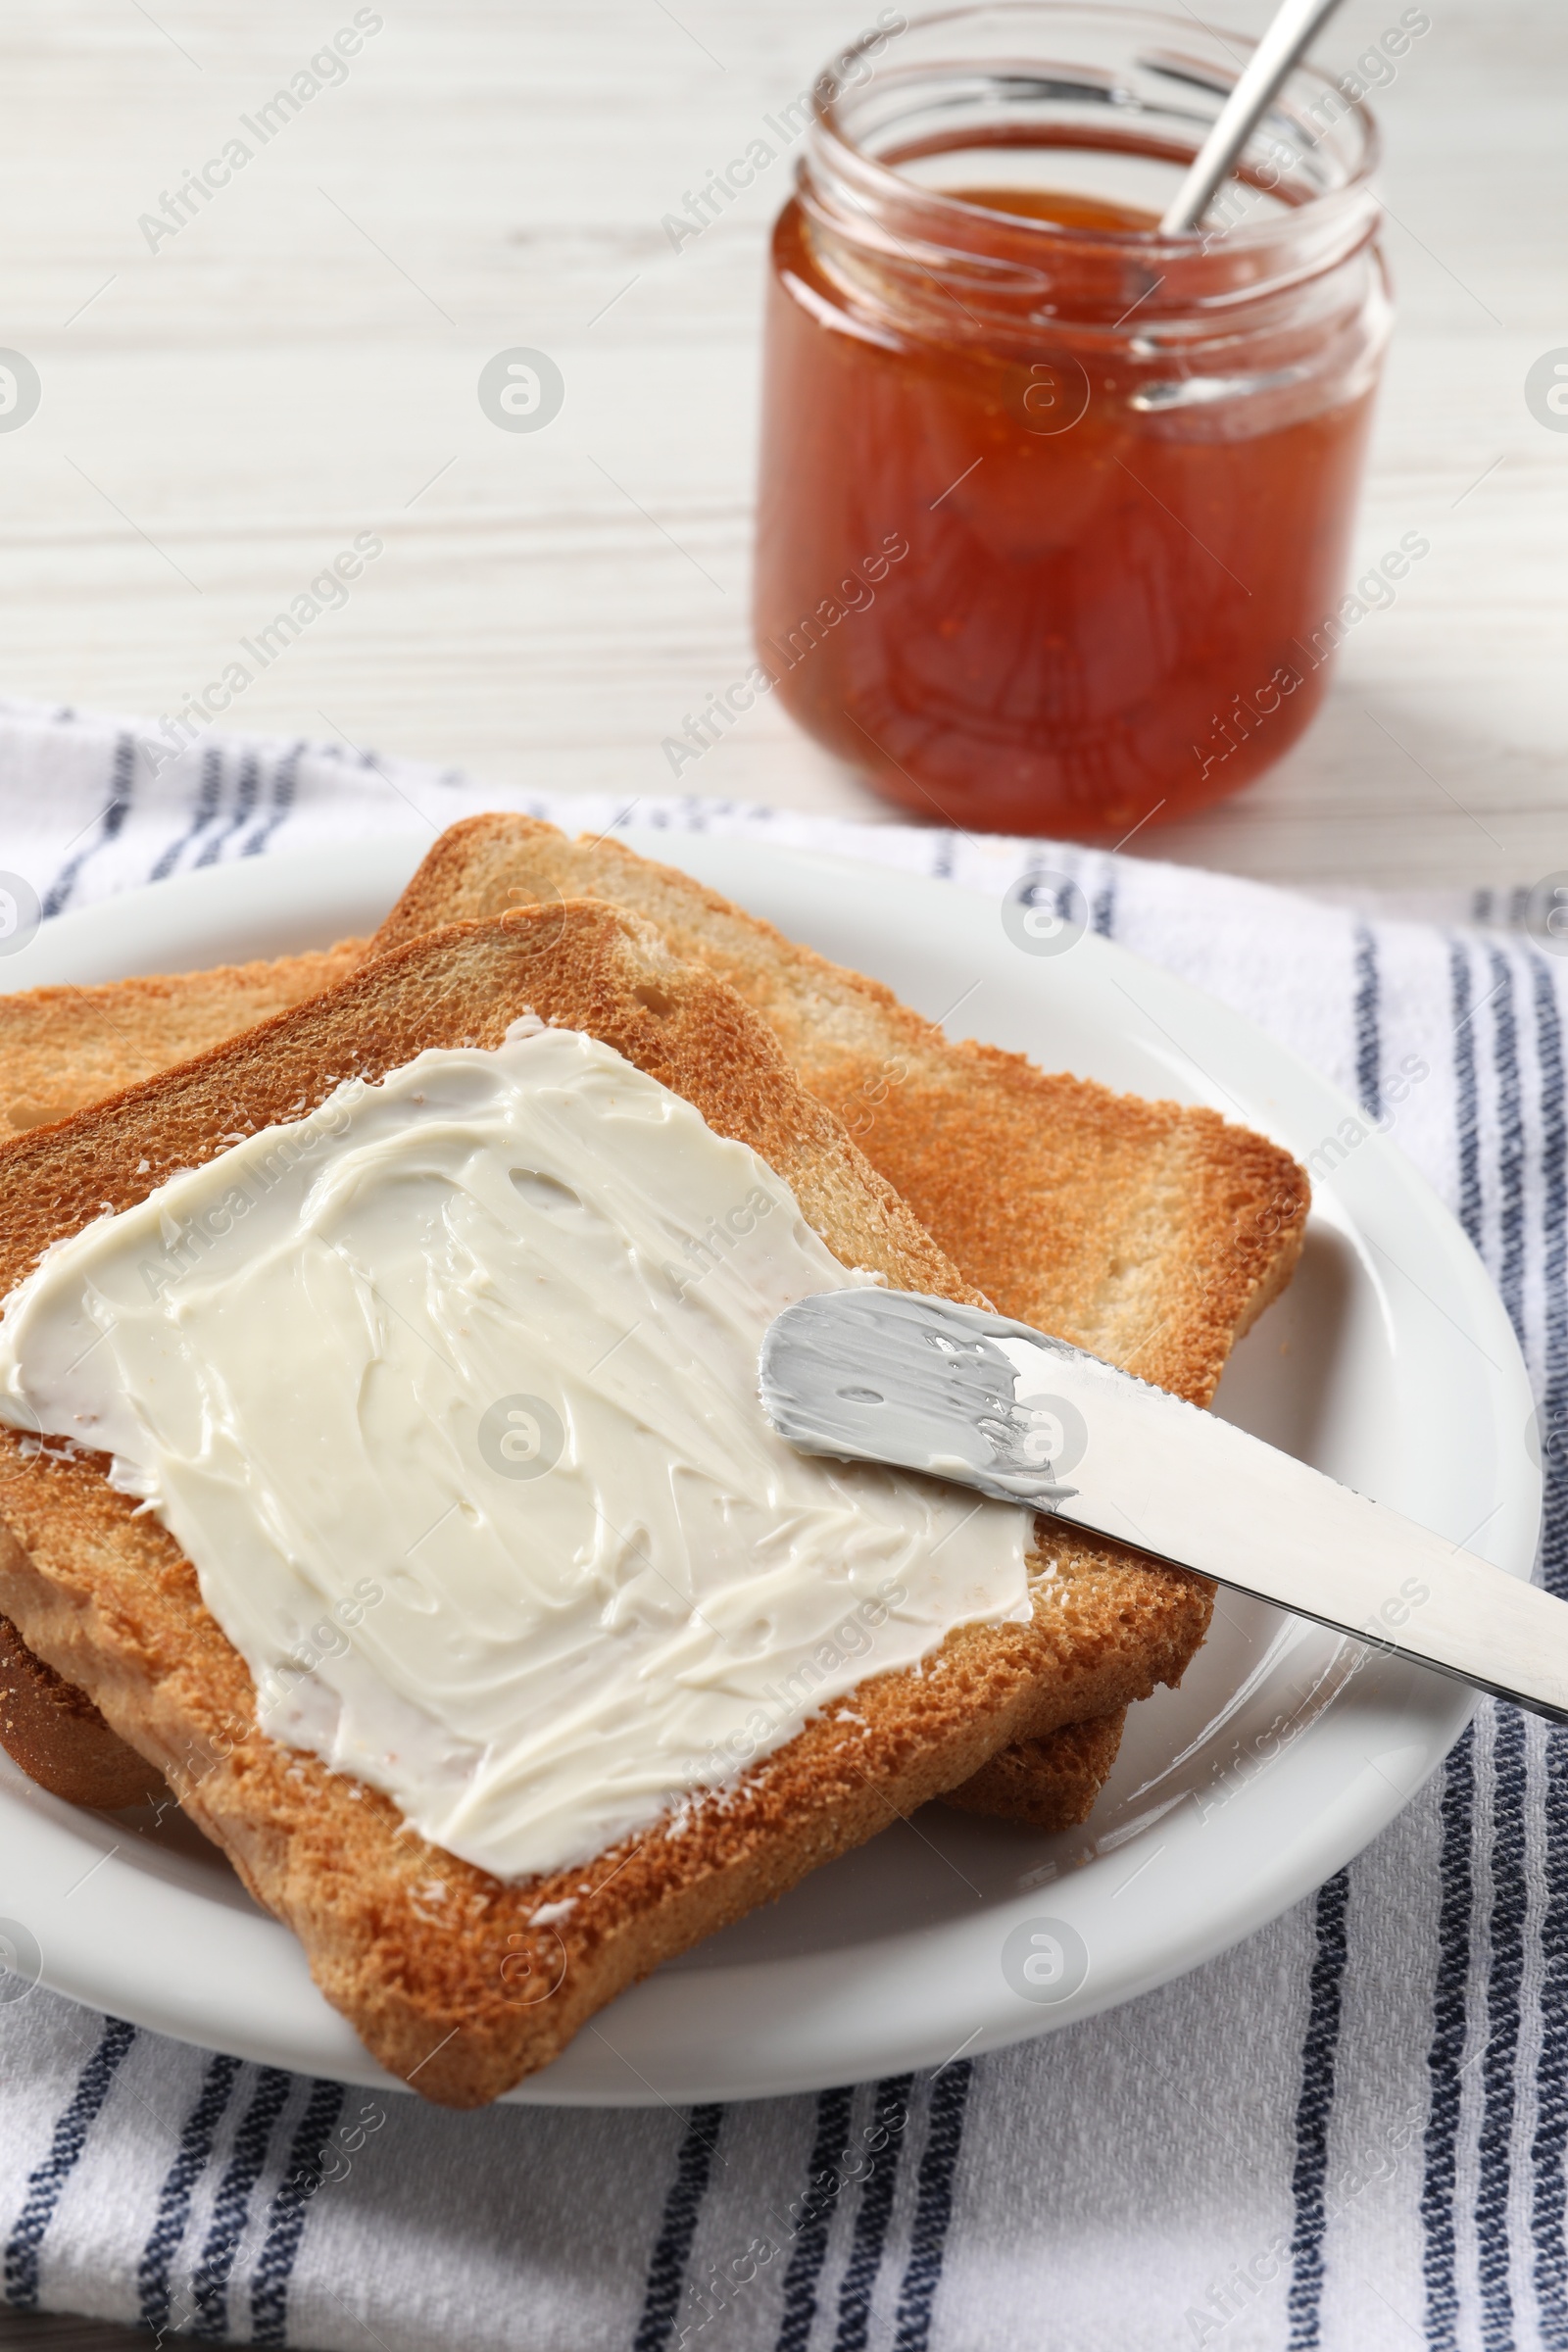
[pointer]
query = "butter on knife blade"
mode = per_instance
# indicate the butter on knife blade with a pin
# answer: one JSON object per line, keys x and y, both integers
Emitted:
{"x": 889, "y": 1376}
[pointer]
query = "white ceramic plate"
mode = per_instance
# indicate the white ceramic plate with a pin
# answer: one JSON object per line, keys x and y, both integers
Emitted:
{"x": 1390, "y": 1363}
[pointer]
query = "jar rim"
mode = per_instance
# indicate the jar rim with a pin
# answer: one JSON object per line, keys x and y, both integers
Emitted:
{"x": 831, "y": 144}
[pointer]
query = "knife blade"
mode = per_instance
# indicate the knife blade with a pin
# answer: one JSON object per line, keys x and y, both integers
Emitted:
{"x": 921, "y": 1384}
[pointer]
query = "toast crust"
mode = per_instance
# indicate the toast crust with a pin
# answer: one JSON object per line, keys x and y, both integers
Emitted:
{"x": 63, "y": 1048}
{"x": 1050, "y": 1784}
{"x": 441, "y": 1968}
{"x": 59, "y": 1737}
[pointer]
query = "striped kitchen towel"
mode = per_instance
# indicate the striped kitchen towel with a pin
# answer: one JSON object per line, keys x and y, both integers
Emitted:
{"x": 1350, "y": 2132}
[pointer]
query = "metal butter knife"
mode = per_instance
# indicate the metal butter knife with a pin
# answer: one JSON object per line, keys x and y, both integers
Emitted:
{"x": 888, "y": 1375}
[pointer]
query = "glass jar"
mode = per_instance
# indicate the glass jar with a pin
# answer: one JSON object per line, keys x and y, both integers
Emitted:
{"x": 1055, "y": 509}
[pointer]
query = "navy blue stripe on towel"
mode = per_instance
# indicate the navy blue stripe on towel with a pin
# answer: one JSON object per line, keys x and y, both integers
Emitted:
{"x": 208, "y": 797}
{"x": 246, "y": 794}
{"x": 1446, "y": 2057}
{"x": 46, "y": 2184}
{"x": 1554, "y": 1422}
{"x": 286, "y": 781}
{"x": 172, "y": 2217}
{"x": 1313, "y": 2109}
{"x": 1510, "y": 1142}
{"x": 232, "y": 2205}
{"x": 1549, "y": 2147}
{"x": 667, "y": 2266}
{"x": 1466, "y": 1101}
{"x": 1499, "y": 2057}
{"x": 1368, "y": 1040}
{"x": 1505, "y": 1974}
{"x": 274, "y": 2265}
{"x": 823, "y": 2183}
{"x": 892, "y": 2110}
{"x": 933, "y": 2206}
{"x": 121, "y": 791}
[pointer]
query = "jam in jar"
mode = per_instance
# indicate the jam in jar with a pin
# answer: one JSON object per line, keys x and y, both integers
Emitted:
{"x": 1055, "y": 509}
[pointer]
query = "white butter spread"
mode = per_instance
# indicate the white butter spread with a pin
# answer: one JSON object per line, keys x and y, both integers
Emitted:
{"x": 449, "y": 1393}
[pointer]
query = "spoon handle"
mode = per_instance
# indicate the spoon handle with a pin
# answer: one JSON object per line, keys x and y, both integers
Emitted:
{"x": 1287, "y": 39}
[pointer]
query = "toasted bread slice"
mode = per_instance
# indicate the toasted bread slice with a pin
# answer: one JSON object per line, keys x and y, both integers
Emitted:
{"x": 439, "y": 1965}
{"x": 1052, "y": 1784}
{"x": 1149, "y": 1234}
{"x": 1028, "y": 1238}
{"x": 58, "y": 1737}
{"x": 63, "y": 1048}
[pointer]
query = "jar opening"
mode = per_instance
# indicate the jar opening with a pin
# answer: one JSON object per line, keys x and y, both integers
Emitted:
{"x": 950, "y": 136}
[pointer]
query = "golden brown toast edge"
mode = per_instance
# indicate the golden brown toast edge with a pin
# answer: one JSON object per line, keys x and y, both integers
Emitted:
{"x": 1050, "y": 1784}
{"x": 60, "y": 1739}
{"x": 63, "y": 1048}
{"x": 435, "y": 1963}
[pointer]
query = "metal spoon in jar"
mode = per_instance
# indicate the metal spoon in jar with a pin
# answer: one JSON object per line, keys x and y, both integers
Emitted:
{"x": 1281, "y": 48}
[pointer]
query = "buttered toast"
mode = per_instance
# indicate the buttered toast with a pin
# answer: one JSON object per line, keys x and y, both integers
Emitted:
{"x": 1148, "y": 1232}
{"x": 422, "y": 1952}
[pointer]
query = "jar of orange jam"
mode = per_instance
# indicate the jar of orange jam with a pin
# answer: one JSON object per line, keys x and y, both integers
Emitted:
{"x": 1055, "y": 509}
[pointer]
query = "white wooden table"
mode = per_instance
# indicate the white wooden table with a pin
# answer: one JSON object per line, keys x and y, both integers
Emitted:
{"x": 222, "y": 415}
{"x": 297, "y": 365}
